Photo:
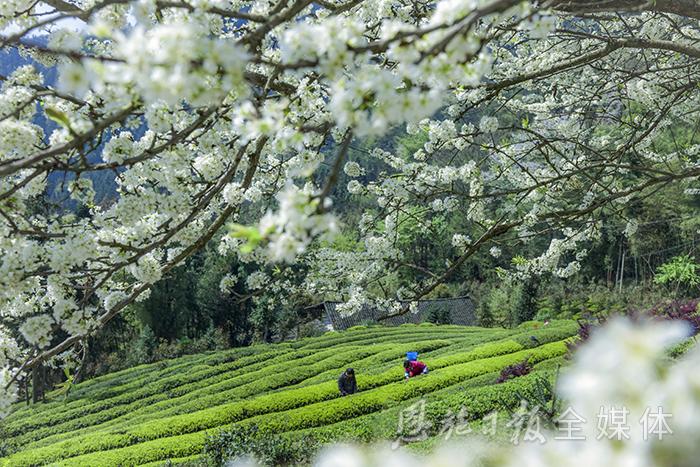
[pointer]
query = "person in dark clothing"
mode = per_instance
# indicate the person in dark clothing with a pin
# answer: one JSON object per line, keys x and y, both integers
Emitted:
{"x": 346, "y": 382}
{"x": 414, "y": 368}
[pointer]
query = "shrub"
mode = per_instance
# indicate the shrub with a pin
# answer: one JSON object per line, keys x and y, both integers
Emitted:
{"x": 338, "y": 409}
{"x": 124, "y": 381}
{"x": 684, "y": 310}
{"x": 679, "y": 350}
{"x": 541, "y": 394}
{"x": 287, "y": 417}
{"x": 515, "y": 370}
{"x": 480, "y": 401}
{"x": 680, "y": 273}
{"x": 243, "y": 385}
{"x": 477, "y": 395}
{"x": 200, "y": 399}
{"x": 236, "y": 443}
{"x": 210, "y": 416}
{"x": 582, "y": 335}
{"x": 189, "y": 461}
{"x": 145, "y": 393}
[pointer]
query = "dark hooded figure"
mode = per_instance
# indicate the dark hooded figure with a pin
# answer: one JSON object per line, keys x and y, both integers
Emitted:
{"x": 346, "y": 382}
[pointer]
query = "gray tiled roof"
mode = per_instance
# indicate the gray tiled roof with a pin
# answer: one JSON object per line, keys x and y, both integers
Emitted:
{"x": 447, "y": 310}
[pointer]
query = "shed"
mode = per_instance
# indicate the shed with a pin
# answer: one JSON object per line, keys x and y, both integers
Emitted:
{"x": 459, "y": 310}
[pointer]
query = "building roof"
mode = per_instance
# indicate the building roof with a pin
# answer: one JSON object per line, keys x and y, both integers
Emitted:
{"x": 458, "y": 310}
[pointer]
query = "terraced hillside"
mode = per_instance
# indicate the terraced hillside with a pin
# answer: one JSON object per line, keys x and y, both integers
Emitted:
{"x": 163, "y": 411}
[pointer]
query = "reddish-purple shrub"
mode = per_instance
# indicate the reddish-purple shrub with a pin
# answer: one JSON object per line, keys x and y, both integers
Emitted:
{"x": 584, "y": 332}
{"x": 685, "y": 310}
{"x": 515, "y": 370}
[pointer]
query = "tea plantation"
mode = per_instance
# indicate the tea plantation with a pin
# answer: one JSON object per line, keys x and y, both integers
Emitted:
{"x": 164, "y": 411}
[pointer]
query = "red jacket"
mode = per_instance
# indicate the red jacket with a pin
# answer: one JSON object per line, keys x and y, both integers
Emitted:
{"x": 415, "y": 368}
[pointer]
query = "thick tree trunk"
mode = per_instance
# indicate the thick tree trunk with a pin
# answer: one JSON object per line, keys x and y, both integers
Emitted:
{"x": 37, "y": 383}
{"x": 26, "y": 390}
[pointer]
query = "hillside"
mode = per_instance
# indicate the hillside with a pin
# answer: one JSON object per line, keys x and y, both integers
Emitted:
{"x": 162, "y": 411}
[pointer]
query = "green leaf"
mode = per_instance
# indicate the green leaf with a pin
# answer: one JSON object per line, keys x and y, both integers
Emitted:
{"x": 252, "y": 236}
{"x": 246, "y": 232}
{"x": 58, "y": 116}
{"x": 64, "y": 388}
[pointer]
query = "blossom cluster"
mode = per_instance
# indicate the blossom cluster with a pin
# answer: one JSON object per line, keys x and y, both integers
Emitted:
{"x": 291, "y": 228}
{"x": 371, "y": 99}
{"x": 166, "y": 65}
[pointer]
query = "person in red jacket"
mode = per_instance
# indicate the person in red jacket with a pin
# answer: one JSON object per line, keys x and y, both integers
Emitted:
{"x": 414, "y": 368}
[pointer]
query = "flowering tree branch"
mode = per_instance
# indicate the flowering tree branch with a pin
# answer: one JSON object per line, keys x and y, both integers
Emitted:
{"x": 217, "y": 115}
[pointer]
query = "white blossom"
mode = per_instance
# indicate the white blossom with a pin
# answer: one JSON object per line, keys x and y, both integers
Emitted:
{"x": 119, "y": 148}
{"x": 256, "y": 280}
{"x": 147, "y": 269}
{"x": 233, "y": 194}
{"x": 488, "y": 124}
{"x": 354, "y": 187}
{"x": 631, "y": 228}
{"x": 227, "y": 283}
{"x": 460, "y": 241}
{"x": 37, "y": 330}
{"x": 352, "y": 169}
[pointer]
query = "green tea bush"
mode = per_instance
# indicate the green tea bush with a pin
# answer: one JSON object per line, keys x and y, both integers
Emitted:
{"x": 239, "y": 443}
{"x": 278, "y": 395}
{"x": 383, "y": 424}
{"x": 267, "y": 378}
{"x": 134, "y": 391}
{"x": 107, "y": 409}
{"x": 204, "y": 419}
